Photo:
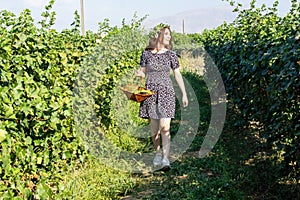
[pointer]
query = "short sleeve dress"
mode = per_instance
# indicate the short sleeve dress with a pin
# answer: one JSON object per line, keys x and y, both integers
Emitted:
{"x": 158, "y": 66}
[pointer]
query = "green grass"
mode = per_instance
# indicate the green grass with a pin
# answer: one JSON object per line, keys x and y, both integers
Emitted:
{"x": 96, "y": 181}
{"x": 235, "y": 169}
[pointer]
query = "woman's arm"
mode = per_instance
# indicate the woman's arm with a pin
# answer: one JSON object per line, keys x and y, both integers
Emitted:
{"x": 141, "y": 72}
{"x": 179, "y": 80}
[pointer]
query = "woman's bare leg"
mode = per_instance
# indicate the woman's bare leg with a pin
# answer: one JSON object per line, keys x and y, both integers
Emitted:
{"x": 165, "y": 134}
{"x": 154, "y": 126}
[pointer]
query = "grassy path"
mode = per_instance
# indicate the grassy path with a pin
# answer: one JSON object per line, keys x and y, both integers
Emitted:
{"x": 235, "y": 169}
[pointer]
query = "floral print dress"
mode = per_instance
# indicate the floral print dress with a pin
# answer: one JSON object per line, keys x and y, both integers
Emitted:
{"x": 158, "y": 66}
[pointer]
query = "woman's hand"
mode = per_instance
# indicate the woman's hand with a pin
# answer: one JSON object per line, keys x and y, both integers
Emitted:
{"x": 140, "y": 73}
{"x": 185, "y": 101}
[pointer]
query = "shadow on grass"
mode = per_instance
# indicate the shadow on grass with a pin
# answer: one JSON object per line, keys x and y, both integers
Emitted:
{"x": 235, "y": 169}
{"x": 263, "y": 179}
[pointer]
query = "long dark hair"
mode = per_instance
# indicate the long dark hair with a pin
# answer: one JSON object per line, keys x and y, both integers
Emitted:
{"x": 153, "y": 41}
{"x": 160, "y": 37}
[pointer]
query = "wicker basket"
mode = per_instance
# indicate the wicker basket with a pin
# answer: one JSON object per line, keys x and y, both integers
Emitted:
{"x": 136, "y": 97}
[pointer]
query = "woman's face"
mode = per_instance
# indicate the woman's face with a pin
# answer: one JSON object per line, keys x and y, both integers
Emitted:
{"x": 167, "y": 37}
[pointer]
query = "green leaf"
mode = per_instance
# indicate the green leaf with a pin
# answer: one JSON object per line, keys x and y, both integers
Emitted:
{"x": 9, "y": 111}
{"x": 39, "y": 160}
{"x": 28, "y": 140}
{"x": 3, "y": 134}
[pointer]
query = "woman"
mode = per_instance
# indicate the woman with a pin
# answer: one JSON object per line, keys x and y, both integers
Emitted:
{"x": 156, "y": 63}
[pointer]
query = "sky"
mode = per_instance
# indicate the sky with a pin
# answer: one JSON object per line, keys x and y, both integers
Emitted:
{"x": 213, "y": 12}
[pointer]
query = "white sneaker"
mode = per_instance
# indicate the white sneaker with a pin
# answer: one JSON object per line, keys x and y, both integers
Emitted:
{"x": 166, "y": 164}
{"x": 157, "y": 159}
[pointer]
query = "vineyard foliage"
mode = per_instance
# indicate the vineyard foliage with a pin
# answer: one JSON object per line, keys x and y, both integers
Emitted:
{"x": 38, "y": 68}
{"x": 42, "y": 71}
{"x": 258, "y": 56}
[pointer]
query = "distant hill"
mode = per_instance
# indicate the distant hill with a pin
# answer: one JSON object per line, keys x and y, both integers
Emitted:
{"x": 196, "y": 20}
